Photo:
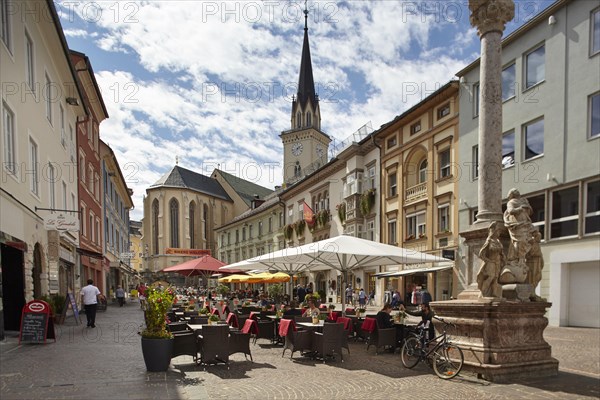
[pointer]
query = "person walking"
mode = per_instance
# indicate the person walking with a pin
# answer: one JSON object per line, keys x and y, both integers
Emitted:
{"x": 89, "y": 298}
{"x": 362, "y": 297}
{"x": 120, "y": 293}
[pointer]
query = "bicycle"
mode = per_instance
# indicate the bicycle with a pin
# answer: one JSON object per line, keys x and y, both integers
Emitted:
{"x": 446, "y": 358}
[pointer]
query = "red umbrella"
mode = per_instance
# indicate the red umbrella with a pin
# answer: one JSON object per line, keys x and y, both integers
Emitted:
{"x": 205, "y": 265}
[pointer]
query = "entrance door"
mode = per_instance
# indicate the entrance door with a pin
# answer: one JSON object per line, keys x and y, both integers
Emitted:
{"x": 13, "y": 286}
{"x": 37, "y": 271}
{"x": 584, "y": 294}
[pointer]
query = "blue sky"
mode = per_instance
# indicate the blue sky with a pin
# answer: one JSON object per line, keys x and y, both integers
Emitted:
{"x": 211, "y": 81}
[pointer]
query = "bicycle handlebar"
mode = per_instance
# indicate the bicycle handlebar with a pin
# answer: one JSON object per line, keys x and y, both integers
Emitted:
{"x": 444, "y": 322}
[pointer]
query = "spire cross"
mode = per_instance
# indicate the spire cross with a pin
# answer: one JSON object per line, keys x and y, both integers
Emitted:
{"x": 305, "y": 15}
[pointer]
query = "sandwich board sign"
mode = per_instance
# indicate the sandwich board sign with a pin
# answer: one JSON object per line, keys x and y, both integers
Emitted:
{"x": 36, "y": 323}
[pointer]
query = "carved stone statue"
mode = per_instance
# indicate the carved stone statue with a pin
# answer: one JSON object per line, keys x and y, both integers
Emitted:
{"x": 492, "y": 255}
{"x": 518, "y": 222}
{"x": 535, "y": 263}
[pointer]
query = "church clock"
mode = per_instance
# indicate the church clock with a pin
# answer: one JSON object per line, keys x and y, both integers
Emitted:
{"x": 297, "y": 149}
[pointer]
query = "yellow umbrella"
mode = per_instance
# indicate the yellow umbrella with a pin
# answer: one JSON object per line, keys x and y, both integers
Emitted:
{"x": 238, "y": 279}
{"x": 262, "y": 277}
{"x": 279, "y": 277}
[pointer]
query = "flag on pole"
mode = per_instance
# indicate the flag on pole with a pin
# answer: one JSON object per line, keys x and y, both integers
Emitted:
{"x": 309, "y": 215}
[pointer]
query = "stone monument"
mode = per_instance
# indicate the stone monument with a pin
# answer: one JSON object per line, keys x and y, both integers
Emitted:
{"x": 499, "y": 327}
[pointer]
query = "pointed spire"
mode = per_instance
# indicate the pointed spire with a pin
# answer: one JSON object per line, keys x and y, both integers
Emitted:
{"x": 306, "y": 83}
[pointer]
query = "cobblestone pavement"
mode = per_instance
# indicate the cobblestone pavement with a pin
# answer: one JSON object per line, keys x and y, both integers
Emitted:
{"x": 107, "y": 362}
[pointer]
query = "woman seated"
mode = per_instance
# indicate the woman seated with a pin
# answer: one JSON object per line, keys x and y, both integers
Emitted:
{"x": 312, "y": 310}
{"x": 384, "y": 320}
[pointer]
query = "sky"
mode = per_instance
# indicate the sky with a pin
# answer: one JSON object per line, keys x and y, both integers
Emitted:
{"x": 209, "y": 84}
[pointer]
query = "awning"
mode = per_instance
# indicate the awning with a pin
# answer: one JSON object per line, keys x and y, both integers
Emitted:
{"x": 413, "y": 271}
{"x": 90, "y": 253}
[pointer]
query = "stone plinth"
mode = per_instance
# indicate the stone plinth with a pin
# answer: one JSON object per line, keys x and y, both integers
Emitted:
{"x": 501, "y": 340}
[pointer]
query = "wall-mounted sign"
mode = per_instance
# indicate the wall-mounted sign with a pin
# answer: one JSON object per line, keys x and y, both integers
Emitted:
{"x": 449, "y": 254}
{"x": 62, "y": 221}
{"x": 187, "y": 252}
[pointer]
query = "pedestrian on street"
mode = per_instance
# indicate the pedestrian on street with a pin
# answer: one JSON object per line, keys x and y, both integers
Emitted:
{"x": 120, "y": 293}
{"x": 362, "y": 297}
{"x": 89, "y": 298}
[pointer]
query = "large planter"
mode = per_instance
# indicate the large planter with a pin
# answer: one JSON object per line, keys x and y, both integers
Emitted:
{"x": 157, "y": 354}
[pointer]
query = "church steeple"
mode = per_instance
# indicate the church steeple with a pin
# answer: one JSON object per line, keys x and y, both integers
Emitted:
{"x": 305, "y": 107}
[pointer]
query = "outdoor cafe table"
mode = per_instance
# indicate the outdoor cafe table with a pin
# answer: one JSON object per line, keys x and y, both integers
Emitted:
{"x": 310, "y": 325}
{"x": 196, "y": 327}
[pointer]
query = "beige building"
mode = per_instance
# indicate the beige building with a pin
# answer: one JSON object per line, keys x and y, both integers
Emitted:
{"x": 136, "y": 247}
{"x": 418, "y": 194}
{"x": 41, "y": 102}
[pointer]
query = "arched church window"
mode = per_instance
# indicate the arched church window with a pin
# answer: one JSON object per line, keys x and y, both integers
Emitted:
{"x": 299, "y": 120}
{"x": 308, "y": 119}
{"x": 174, "y": 214}
{"x": 205, "y": 221}
{"x": 297, "y": 169}
{"x": 192, "y": 232}
{"x": 155, "y": 226}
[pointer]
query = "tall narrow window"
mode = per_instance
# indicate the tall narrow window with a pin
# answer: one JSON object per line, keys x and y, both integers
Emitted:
{"x": 61, "y": 121}
{"x": 508, "y": 149}
{"x": 423, "y": 171}
{"x": 155, "y": 226}
{"x": 535, "y": 67}
{"x": 33, "y": 167}
{"x": 5, "y": 23}
{"x": 48, "y": 97}
{"x": 29, "y": 62}
{"x": 52, "y": 185}
{"x": 192, "y": 210}
{"x": 392, "y": 232}
{"x": 444, "y": 218}
{"x": 565, "y": 213}
{"x": 594, "y": 113}
{"x": 415, "y": 225}
{"x": 534, "y": 139}
{"x": 371, "y": 178}
{"x": 308, "y": 119}
{"x": 595, "y": 32}
{"x": 174, "y": 219}
{"x": 592, "y": 208}
{"x": 299, "y": 120}
{"x": 205, "y": 217}
{"x": 476, "y": 100}
{"x": 509, "y": 82}
{"x": 392, "y": 185}
{"x": 475, "y": 161}
{"x": 65, "y": 206}
{"x": 8, "y": 118}
{"x": 445, "y": 163}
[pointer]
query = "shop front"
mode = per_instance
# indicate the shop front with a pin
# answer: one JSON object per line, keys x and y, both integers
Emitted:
{"x": 418, "y": 285}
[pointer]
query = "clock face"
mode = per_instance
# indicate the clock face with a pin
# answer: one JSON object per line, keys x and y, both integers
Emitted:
{"x": 320, "y": 151}
{"x": 297, "y": 149}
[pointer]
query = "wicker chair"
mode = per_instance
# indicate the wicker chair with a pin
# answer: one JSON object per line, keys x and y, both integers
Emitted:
{"x": 198, "y": 320}
{"x": 348, "y": 331}
{"x": 266, "y": 330}
{"x": 214, "y": 345}
{"x": 295, "y": 340}
{"x": 189, "y": 314}
{"x": 329, "y": 343}
{"x": 302, "y": 319}
{"x": 382, "y": 338}
{"x": 177, "y": 327}
{"x": 240, "y": 343}
{"x": 185, "y": 343}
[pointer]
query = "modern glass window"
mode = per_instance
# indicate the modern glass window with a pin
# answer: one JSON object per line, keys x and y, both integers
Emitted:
{"x": 392, "y": 185}
{"x": 192, "y": 218}
{"x": 29, "y": 63}
{"x": 509, "y": 81}
{"x": 444, "y": 218}
{"x": 33, "y": 167}
{"x": 594, "y": 115}
{"x": 392, "y": 232}
{"x": 508, "y": 149}
{"x": 475, "y": 161}
{"x": 174, "y": 219}
{"x": 565, "y": 213}
{"x": 423, "y": 171}
{"x": 538, "y": 217}
{"x": 592, "y": 208}
{"x": 52, "y": 185}
{"x": 8, "y": 119}
{"x": 445, "y": 163}
{"x": 48, "y": 97}
{"x": 595, "y": 32}
{"x": 415, "y": 225}
{"x": 535, "y": 66}
{"x": 476, "y": 92}
{"x": 534, "y": 139}
{"x": 5, "y": 23}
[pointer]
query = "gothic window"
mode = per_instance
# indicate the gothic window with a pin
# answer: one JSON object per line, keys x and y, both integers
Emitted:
{"x": 174, "y": 214}
{"x": 299, "y": 120}
{"x": 192, "y": 225}
{"x": 297, "y": 169}
{"x": 154, "y": 226}
{"x": 308, "y": 119}
{"x": 205, "y": 221}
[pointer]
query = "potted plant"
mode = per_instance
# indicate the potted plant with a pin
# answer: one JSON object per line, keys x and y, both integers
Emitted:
{"x": 157, "y": 341}
{"x": 360, "y": 311}
{"x": 203, "y": 311}
{"x": 213, "y": 319}
{"x": 275, "y": 292}
{"x": 222, "y": 290}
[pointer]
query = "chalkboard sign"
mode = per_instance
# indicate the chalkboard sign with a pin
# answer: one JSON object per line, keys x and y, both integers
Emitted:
{"x": 36, "y": 322}
{"x": 70, "y": 301}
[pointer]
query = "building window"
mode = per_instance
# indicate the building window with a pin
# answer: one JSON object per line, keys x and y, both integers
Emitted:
{"x": 392, "y": 232}
{"x": 308, "y": 119}
{"x": 538, "y": 217}
{"x": 565, "y": 213}
{"x": 90, "y": 176}
{"x": 299, "y": 120}
{"x": 443, "y": 111}
{"x": 5, "y": 23}
{"x": 535, "y": 69}
{"x": 33, "y": 170}
{"x": 475, "y": 161}
{"x": 297, "y": 169}
{"x": 423, "y": 171}
{"x": 445, "y": 163}
{"x": 243, "y": 234}
{"x": 192, "y": 231}
{"x": 592, "y": 208}
{"x": 65, "y": 206}
{"x": 82, "y": 214}
{"x": 392, "y": 185}
{"x": 391, "y": 142}
{"x": 205, "y": 222}
{"x": 228, "y": 238}
{"x": 260, "y": 228}
{"x": 92, "y": 230}
{"x": 174, "y": 217}
{"x": 508, "y": 149}
{"x": 51, "y": 185}
{"x": 415, "y": 128}
{"x": 61, "y": 121}
{"x": 270, "y": 224}
{"x": 415, "y": 225}
{"x": 594, "y": 113}
{"x": 595, "y": 31}
{"x": 444, "y": 218}
{"x": 237, "y": 236}
{"x": 534, "y": 139}
{"x": 29, "y": 54}
{"x": 155, "y": 226}
{"x": 371, "y": 177}
{"x": 371, "y": 230}
{"x": 48, "y": 97}
{"x": 8, "y": 118}
{"x": 476, "y": 89}
{"x": 250, "y": 231}
{"x": 509, "y": 82}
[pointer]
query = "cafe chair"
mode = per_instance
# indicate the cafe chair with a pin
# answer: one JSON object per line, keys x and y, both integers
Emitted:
{"x": 266, "y": 330}
{"x": 185, "y": 343}
{"x": 198, "y": 320}
{"x": 215, "y": 345}
{"x": 232, "y": 320}
{"x": 348, "y": 331}
{"x": 295, "y": 340}
{"x": 382, "y": 338}
{"x": 329, "y": 343}
{"x": 177, "y": 327}
{"x": 239, "y": 342}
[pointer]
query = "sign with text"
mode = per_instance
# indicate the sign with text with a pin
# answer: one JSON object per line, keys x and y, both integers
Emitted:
{"x": 70, "y": 301}
{"x": 62, "y": 221}
{"x": 187, "y": 252}
{"x": 36, "y": 323}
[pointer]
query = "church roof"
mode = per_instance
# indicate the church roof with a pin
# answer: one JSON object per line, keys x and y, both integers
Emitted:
{"x": 185, "y": 178}
{"x": 306, "y": 83}
{"x": 245, "y": 189}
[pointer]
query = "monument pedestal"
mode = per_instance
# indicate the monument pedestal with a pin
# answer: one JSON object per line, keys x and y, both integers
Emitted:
{"x": 501, "y": 340}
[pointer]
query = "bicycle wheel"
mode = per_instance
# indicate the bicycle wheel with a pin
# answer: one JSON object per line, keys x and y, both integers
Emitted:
{"x": 411, "y": 352}
{"x": 448, "y": 361}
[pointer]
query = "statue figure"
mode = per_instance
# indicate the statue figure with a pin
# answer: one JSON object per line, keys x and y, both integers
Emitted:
{"x": 535, "y": 263}
{"x": 492, "y": 255}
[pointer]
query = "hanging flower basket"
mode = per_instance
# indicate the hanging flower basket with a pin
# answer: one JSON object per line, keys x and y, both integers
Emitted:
{"x": 367, "y": 201}
{"x": 299, "y": 227}
{"x": 323, "y": 217}
{"x": 341, "y": 209}
{"x": 288, "y": 230}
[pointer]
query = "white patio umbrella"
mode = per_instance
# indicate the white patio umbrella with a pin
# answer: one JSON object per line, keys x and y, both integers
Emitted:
{"x": 342, "y": 253}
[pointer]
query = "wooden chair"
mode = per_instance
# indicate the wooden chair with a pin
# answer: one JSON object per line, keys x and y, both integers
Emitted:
{"x": 329, "y": 343}
{"x": 214, "y": 345}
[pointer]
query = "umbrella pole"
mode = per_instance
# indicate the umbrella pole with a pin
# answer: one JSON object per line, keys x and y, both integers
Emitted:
{"x": 343, "y": 291}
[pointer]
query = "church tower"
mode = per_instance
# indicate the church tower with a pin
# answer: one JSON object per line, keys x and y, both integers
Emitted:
{"x": 305, "y": 147}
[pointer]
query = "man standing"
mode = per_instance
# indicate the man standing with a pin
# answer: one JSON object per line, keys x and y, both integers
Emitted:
{"x": 120, "y": 293}
{"x": 89, "y": 298}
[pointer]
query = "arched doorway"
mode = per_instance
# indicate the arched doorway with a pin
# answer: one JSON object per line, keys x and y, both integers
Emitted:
{"x": 13, "y": 286}
{"x": 36, "y": 272}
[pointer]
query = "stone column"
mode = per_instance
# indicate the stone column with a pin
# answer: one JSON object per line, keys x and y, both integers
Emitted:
{"x": 490, "y": 17}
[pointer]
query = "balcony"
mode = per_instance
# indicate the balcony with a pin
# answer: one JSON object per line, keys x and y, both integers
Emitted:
{"x": 416, "y": 193}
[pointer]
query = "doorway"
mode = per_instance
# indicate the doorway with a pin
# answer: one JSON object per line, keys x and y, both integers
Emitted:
{"x": 13, "y": 286}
